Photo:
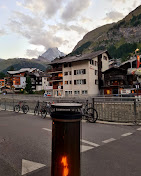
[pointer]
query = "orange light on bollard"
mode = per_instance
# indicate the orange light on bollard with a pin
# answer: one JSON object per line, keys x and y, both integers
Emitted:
{"x": 65, "y": 165}
{"x": 66, "y": 119}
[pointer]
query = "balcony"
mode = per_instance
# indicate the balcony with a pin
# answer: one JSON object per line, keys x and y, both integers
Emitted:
{"x": 53, "y": 79}
{"x": 57, "y": 87}
{"x": 48, "y": 87}
{"x": 117, "y": 77}
{"x": 53, "y": 70}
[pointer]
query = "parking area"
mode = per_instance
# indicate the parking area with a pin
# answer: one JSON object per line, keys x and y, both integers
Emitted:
{"x": 25, "y": 147}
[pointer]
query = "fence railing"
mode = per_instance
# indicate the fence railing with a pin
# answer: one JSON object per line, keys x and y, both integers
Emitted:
{"x": 114, "y": 109}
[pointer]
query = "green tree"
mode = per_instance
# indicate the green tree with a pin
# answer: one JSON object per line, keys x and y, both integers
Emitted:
{"x": 11, "y": 68}
{"x": 28, "y": 87}
{"x": 2, "y": 75}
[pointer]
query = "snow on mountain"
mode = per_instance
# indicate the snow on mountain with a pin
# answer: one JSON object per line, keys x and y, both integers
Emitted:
{"x": 51, "y": 54}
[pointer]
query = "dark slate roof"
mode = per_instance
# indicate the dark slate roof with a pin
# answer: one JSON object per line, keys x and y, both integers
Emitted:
{"x": 114, "y": 68}
{"x": 76, "y": 58}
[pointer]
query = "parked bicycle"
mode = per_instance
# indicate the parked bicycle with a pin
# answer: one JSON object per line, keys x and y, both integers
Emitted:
{"x": 45, "y": 109}
{"x": 21, "y": 106}
{"x": 89, "y": 113}
{"x": 37, "y": 108}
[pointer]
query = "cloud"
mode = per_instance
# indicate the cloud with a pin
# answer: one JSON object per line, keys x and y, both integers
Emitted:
{"x": 46, "y": 7}
{"x": 33, "y": 53}
{"x": 3, "y": 7}
{"x": 33, "y": 29}
{"x": 18, "y": 3}
{"x": 78, "y": 29}
{"x": 119, "y": 1}
{"x": 86, "y": 20}
{"x": 61, "y": 26}
{"x": 2, "y": 32}
{"x": 29, "y": 21}
{"x": 74, "y": 8}
{"x": 113, "y": 16}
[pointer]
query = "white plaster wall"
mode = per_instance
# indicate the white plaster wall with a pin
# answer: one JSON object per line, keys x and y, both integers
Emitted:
{"x": 92, "y": 87}
{"x": 105, "y": 63}
{"x": 38, "y": 88}
{"x": 45, "y": 83}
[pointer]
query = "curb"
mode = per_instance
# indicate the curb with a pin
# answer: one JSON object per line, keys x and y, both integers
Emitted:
{"x": 84, "y": 121}
{"x": 117, "y": 123}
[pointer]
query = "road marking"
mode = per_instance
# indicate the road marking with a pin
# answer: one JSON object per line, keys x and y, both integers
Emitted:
{"x": 29, "y": 166}
{"x": 84, "y": 148}
{"x": 139, "y": 129}
{"x": 126, "y": 134}
{"x": 30, "y": 113}
{"x": 82, "y": 140}
{"x": 109, "y": 140}
{"x": 47, "y": 129}
{"x": 90, "y": 143}
{"x": 83, "y": 120}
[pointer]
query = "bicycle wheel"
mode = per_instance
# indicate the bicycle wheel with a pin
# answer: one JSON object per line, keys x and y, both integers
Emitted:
{"x": 91, "y": 115}
{"x": 25, "y": 108}
{"x": 36, "y": 112}
{"x": 49, "y": 110}
{"x": 16, "y": 108}
{"x": 43, "y": 113}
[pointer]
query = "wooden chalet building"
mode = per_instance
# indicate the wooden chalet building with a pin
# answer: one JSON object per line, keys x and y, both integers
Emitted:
{"x": 115, "y": 79}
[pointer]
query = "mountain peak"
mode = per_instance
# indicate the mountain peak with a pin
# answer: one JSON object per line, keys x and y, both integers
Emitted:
{"x": 52, "y": 53}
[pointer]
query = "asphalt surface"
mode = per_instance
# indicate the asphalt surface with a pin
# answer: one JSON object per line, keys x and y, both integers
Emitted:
{"x": 25, "y": 147}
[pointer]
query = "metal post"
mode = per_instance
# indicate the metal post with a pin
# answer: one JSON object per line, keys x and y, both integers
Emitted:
{"x": 65, "y": 139}
{"x": 13, "y": 101}
{"x": 137, "y": 87}
{"x": 93, "y": 106}
{"x": 5, "y": 104}
{"x": 135, "y": 111}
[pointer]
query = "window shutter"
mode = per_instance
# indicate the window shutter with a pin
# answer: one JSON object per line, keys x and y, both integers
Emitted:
{"x": 84, "y": 81}
{"x": 84, "y": 71}
{"x": 74, "y": 72}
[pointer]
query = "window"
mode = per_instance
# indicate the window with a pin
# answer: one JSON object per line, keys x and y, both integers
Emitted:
{"x": 96, "y": 82}
{"x": 77, "y": 92}
{"x": 66, "y": 82}
{"x": 67, "y": 65}
{"x": 80, "y": 72}
{"x": 84, "y": 92}
{"x": 68, "y": 92}
{"x": 65, "y": 73}
{"x": 69, "y": 72}
{"x": 96, "y": 72}
{"x": 79, "y": 81}
{"x": 96, "y": 63}
{"x": 91, "y": 62}
{"x": 105, "y": 58}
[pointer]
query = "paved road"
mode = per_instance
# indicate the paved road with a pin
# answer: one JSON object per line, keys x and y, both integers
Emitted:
{"x": 25, "y": 147}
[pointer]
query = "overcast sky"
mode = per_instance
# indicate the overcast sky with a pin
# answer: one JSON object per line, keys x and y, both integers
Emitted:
{"x": 29, "y": 27}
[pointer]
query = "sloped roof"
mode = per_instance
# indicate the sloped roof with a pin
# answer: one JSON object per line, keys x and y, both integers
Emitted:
{"x": 76, "y": 58}
{"x": 114, "y": 68}
{"x": 129, "y": 61}
{"x": 21, "y": 71}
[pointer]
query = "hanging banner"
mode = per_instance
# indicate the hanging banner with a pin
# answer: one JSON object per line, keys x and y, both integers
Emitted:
{"x": 138, "y": 61}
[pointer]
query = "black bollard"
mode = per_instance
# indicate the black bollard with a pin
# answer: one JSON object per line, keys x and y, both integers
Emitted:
{"x": 66, "y": 139}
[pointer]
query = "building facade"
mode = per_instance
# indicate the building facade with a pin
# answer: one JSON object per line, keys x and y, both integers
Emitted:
{"x": 79, "y": 75}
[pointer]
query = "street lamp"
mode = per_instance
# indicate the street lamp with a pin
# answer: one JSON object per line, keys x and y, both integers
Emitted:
{"x": 138, "y": 64}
